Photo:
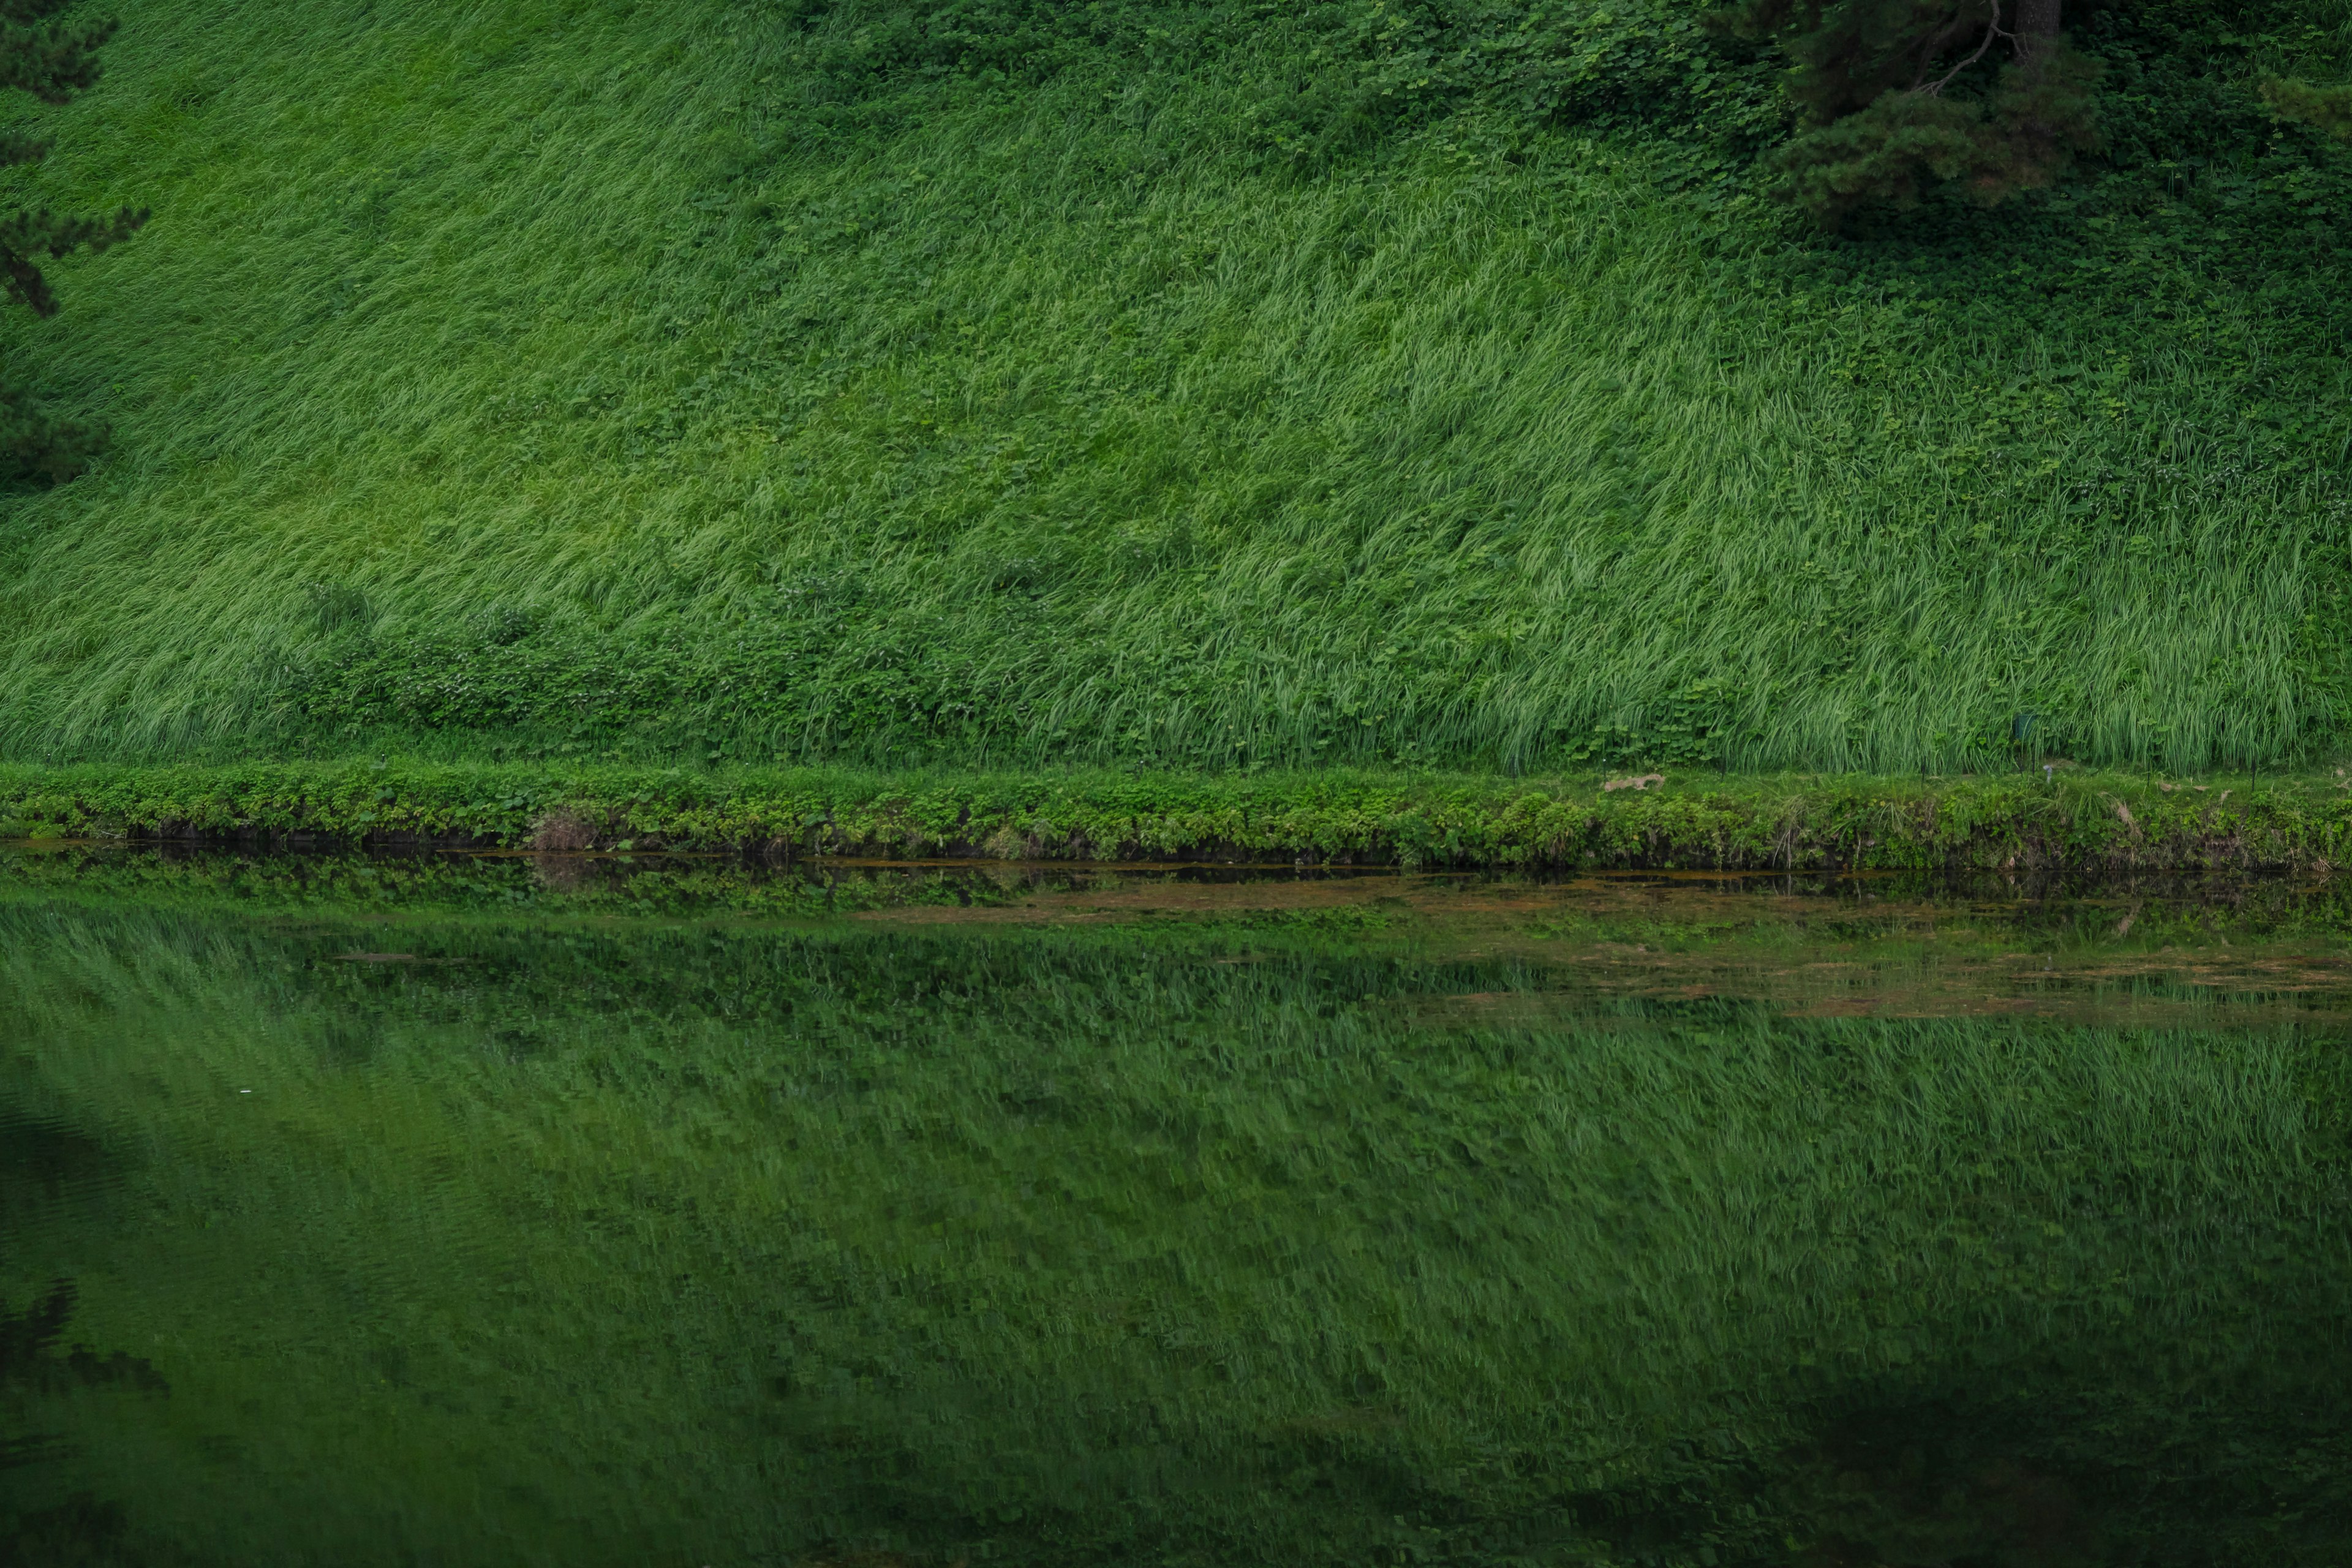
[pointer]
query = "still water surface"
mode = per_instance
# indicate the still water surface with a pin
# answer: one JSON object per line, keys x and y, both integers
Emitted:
{"x": 576, "y": 1210}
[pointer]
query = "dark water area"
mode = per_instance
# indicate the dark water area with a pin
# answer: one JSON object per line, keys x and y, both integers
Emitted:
{"x": 456, "y": 1210}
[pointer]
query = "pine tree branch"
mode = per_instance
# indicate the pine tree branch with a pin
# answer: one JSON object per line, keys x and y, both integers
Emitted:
{"x": 52, "y": 60}
{"x": 25, "y": 234}
{"x": 36, "y": 51}
{"x": 1992, "y": 29}
{"x": 16, "y": 148}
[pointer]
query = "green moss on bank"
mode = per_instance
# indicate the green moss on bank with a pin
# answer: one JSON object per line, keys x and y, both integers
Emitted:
{"x": 2071, "y": 820}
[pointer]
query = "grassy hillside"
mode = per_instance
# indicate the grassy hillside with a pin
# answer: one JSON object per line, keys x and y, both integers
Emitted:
{"x": 1006, "y": 382}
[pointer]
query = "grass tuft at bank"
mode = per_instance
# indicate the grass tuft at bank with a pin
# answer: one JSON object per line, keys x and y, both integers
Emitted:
{"x": 2062, "y": 821}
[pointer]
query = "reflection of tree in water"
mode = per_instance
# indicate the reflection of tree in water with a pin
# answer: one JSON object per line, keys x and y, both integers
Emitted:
{"x": 82, "y": 1529}
{"x": 29, "y": 1359}
{"x": 1895, "y": 1489}
{"x": 35, "y": 1363}
{"x": 48, "y": 1167}
{"x": 2200, "y": 1467}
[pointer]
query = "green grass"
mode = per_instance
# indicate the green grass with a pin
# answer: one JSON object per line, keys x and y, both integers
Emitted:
{"x": 2035, "y": 824}
{"x": 712, "y": 380}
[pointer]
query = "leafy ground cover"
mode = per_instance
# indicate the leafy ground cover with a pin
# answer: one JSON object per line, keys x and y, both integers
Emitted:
{"x": 980, "y": 384}
{"x": 2055, "y": 820}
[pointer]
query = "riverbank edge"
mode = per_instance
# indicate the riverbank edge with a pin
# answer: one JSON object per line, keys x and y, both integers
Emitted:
{"x": 2060, "y": 820}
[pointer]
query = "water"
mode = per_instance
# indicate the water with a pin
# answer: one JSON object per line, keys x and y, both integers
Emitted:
{"x": 584, "y": 1211}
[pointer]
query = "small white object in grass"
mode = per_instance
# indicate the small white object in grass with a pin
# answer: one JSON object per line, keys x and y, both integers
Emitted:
{"x": 244, "y": 1091}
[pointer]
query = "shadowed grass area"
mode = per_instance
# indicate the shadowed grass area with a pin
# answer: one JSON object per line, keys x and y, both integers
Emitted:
{"x": 714, "y": 379}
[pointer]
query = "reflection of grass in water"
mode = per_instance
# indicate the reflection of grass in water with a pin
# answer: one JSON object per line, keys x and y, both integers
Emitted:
{"x": 2155, "y": 957}
{"x": 1071, "y": 1242}
{"x": 1675, "y": 912}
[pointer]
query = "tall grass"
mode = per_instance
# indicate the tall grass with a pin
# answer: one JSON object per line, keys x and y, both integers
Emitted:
{"x": 586, "y": 375}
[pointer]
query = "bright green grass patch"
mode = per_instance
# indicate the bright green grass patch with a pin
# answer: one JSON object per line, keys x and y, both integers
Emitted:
{"x": 648, "y": 382}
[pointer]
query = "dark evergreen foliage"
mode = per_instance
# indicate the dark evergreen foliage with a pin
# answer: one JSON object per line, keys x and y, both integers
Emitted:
{"x": 52, "y": 59}
{"x": 36, "y": 445}
{"x": 1897, "y": 93}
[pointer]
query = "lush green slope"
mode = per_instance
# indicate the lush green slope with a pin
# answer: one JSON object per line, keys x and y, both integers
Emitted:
{"x": 1191, "y": 384}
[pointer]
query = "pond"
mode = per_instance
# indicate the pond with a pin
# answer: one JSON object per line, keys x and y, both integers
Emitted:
{"x": 586, "y": 1210}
